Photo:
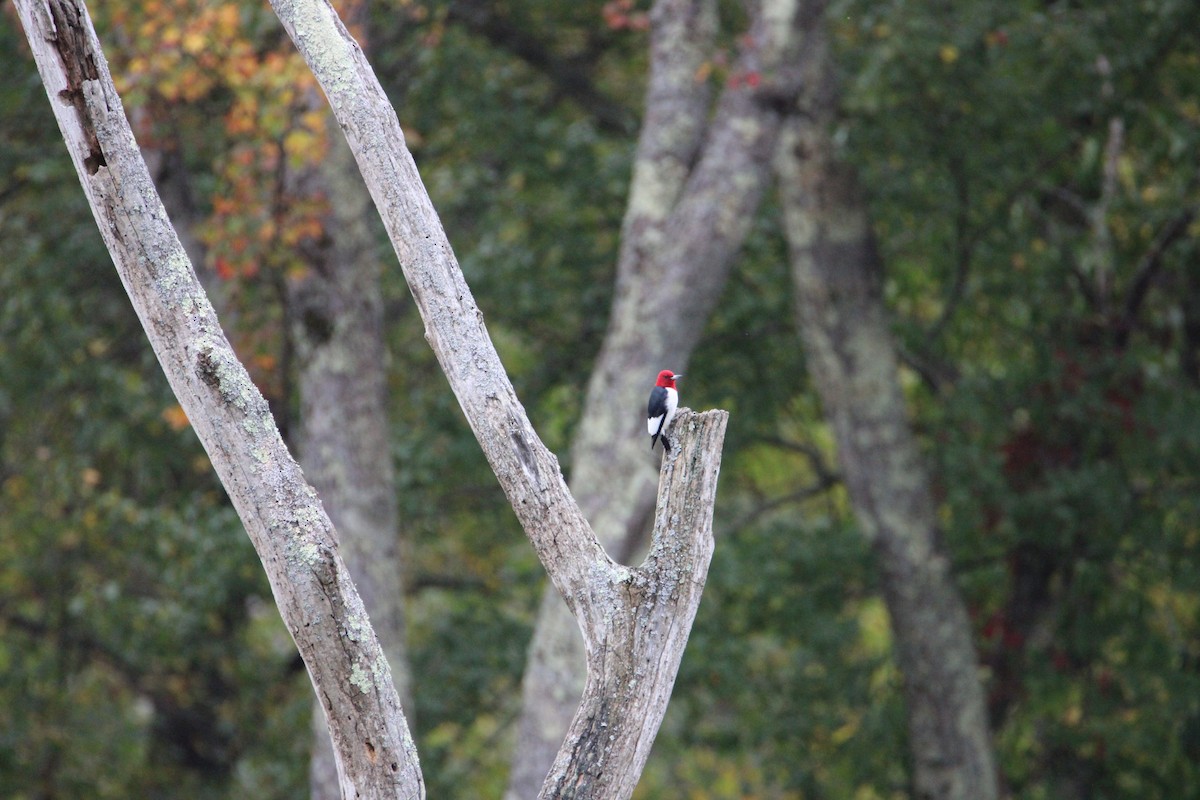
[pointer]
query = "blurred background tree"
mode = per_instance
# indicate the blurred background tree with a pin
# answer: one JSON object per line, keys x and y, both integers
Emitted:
{"x": 1031, "y": 170}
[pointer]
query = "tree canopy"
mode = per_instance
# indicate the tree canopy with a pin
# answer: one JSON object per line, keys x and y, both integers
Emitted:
{"x": 1031, "y": 173}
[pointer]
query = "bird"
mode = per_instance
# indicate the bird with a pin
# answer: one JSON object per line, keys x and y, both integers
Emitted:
{"x": 664, "y": 399}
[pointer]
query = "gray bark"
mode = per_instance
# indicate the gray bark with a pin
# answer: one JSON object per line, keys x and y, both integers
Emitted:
{"x": 283, "y": 517}
{"x": 625, "y": 614}
{"x": 635, "y": 647}
{"x": 635, "y": 621}
{"x": 676, "y": 112}
{"x": 852, "y": 362}
{"x": 341, "y": 362}
{"x": 699, "y": 175}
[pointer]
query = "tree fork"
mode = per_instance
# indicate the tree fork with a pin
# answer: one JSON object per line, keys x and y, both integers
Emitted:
{"x": 626, "y": 614}
{"x": 594, "y": 586}
{"x": 634, "y": 656}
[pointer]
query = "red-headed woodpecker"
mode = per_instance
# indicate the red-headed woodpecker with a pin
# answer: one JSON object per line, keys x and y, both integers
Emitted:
{"x": 664, "y": 399}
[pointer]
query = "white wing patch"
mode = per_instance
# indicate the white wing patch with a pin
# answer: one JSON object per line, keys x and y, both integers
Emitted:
{"x": 672, "y": 404}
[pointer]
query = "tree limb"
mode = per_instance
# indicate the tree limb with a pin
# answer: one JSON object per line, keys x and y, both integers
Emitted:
{"x": 699, "y": 175}
{"x": 600, "y": 592}
{"x": 454, "y": 326}
{"x": 634, "y": 654}
{"x": 283, "y": 517}
{"x": 1151, "y": 263}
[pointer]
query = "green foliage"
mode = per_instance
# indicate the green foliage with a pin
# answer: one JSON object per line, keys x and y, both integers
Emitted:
{"x": 1040, "y": 259}
{"x": 1023, "y": 161}
{"x": 133, "y": 664}
{"x": 787, "y": 689}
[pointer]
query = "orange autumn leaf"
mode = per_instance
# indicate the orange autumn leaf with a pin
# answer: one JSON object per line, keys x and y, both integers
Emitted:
{"x": 265, "y": 362}
{"x": 175, "y": 417}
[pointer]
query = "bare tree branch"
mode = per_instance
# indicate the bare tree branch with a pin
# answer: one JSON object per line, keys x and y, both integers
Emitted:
{"x": 1151, "y": 263}
{"x": 454, "y": 326}
{"x": 618, "y": 609}
{"x": 635, "y": 621}
{"x": 699, "y": 175}
{"x": 633, "y": 653}
{"x": 284, "y": 519}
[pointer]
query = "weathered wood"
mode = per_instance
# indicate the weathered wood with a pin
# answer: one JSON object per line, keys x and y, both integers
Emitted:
{"x": 700, "y": 171}
{"x": 454, "y": 326}
{"x": 344, "y": 440}
{"x": 613, "y": 474}
{"x": 594, "y": 586}
{"x": 635, "y": 621}
{"x": 283, "y": 517}
{"x": 634, "y": 650}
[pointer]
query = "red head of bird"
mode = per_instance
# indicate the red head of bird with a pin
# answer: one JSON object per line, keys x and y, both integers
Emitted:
{"x": 666, "y": 379}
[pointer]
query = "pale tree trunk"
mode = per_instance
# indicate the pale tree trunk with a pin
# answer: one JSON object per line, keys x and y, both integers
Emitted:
{"x": 635, "y": 647}
{"x": 337, "y": 334}
{"x": 699, "y": 176}
{"x": 635, "y": 621}
{"x": 171, "y": 178}
{"x": 852, "y": 362}
{"x": 282, "y": 514}
{"x": 338, "y": 337}
{"x": 336, "y": 308}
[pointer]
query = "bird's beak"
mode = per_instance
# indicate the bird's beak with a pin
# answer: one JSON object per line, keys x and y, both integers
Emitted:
{"x": 677, "y": 376}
